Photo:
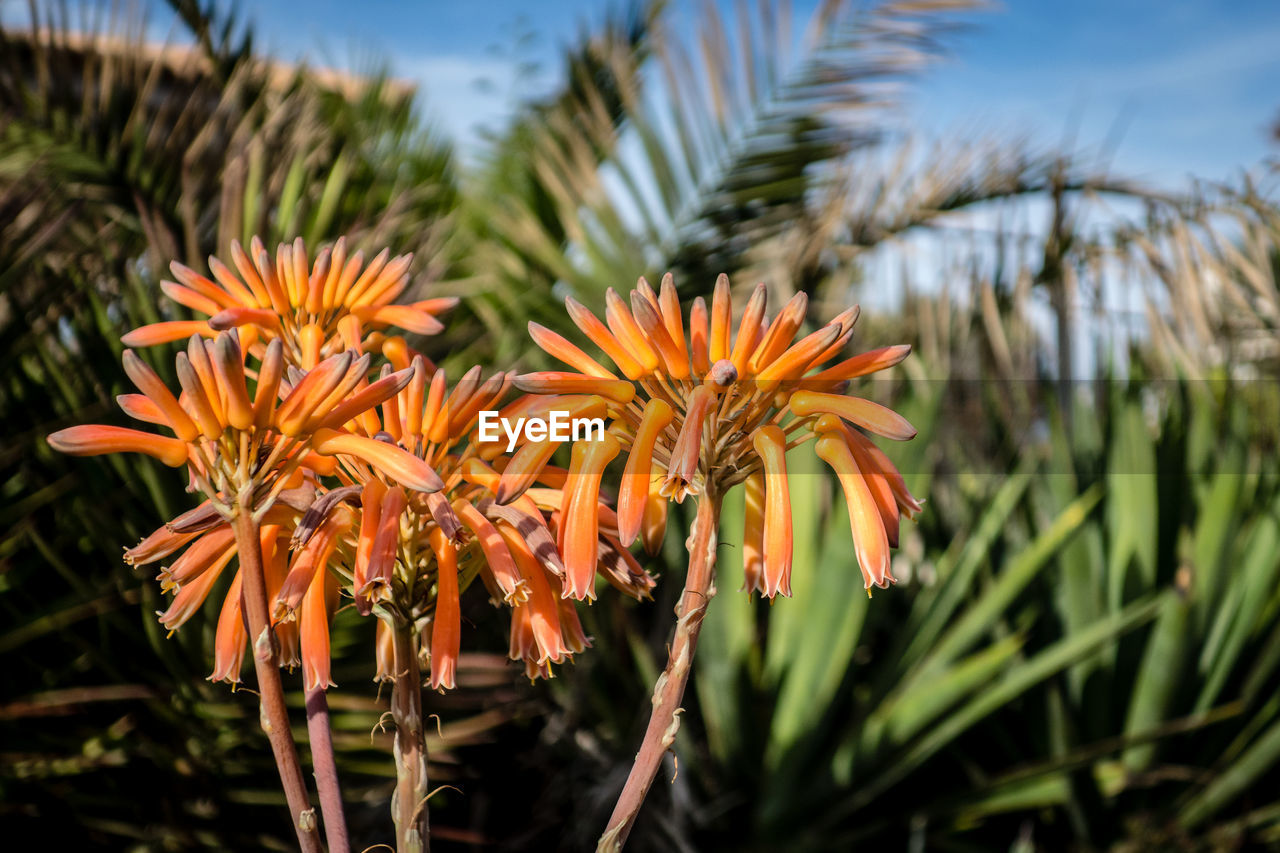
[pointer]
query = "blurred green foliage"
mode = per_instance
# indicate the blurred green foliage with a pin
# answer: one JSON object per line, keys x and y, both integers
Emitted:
{"x": 1082, "y": 652}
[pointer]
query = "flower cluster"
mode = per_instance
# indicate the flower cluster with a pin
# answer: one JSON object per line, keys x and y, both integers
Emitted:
{"x": 702, "y": 409}
{"x": 336, "y": 463}
{"x": 372, "y": 488}
{"x": 316, "y": 309}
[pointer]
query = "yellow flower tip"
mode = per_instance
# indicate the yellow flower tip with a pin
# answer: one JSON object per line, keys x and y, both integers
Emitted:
{"x": 95, "y": 440}
{"x": 310, "y": 344}
{"x": 828, "y": 423}
{"x": 653, "y": 525}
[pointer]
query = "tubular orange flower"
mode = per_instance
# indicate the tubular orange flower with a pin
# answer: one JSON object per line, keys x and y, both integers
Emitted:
{"x": 753, "y": 489}
{"x": 582, "y": 517}
{"x": 718, "y": 407}
{"x": 446, "y": 627}
{"x": 708, "y": 412}
{"x": 302, "y": 303}
{"x": 206, "y": 554}
{"x": 238, "y": 451}
{"x": 771, "y": 444}
{"x": 254, "y": 457}
{"x": 392, "y": 555}
{"x": 94, "y": 440}
{"x": 257, "y": 452}
{"x": 869, "y": 537}
{"x": 634, "y": 492}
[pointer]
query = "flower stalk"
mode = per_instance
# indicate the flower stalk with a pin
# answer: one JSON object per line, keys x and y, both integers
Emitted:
{"x": 409, "y": 806}
{"x": 274, "y": 716}
{"x": 664, "y": 720}
{"x": 320, "y": 734}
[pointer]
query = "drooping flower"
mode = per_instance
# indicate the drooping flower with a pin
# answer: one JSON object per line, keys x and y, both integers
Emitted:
{"x": 705, "y": 409}
{"x": 259, "y": 454}
{"x": 208, "y": 552}
{"x": 317, "y": 309}
{"x": 413, "y": 555}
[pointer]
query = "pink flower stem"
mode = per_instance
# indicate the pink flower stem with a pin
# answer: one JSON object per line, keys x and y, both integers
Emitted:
{"x": 664, "y": 720}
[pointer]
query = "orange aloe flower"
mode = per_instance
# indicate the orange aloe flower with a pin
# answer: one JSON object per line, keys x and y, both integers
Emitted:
{"x": 243, "y": 451}
{"x": 317, "y": 309}
{"x": 699, "y": 408}
{"x": 259, "y": 454}
{"x": 208, "y": 552}
{"x": 412, "y": 555}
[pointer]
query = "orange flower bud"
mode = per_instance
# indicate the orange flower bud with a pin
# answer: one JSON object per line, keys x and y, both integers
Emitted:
{"x": 634, "y": 490}
{"x": 864, "y": 413}
{"x": 395, "y": 462}
{"x": 446, "y": 623}
{"x": 95, "y": 440}
{"x": 771, "y": 444}
{"x": 581, "y": 513}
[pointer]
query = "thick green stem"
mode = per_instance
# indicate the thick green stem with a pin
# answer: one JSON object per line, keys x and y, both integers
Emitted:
{"x": 409, "y": 803}
{"x": 664, "y": 720}
{"x": 273, "y": 715}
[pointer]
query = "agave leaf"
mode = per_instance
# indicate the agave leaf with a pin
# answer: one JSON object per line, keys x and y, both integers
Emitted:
{"x": 1015, "y": 681}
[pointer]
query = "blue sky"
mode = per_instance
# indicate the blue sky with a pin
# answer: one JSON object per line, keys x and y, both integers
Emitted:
{"x": 1187, "y": 86}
